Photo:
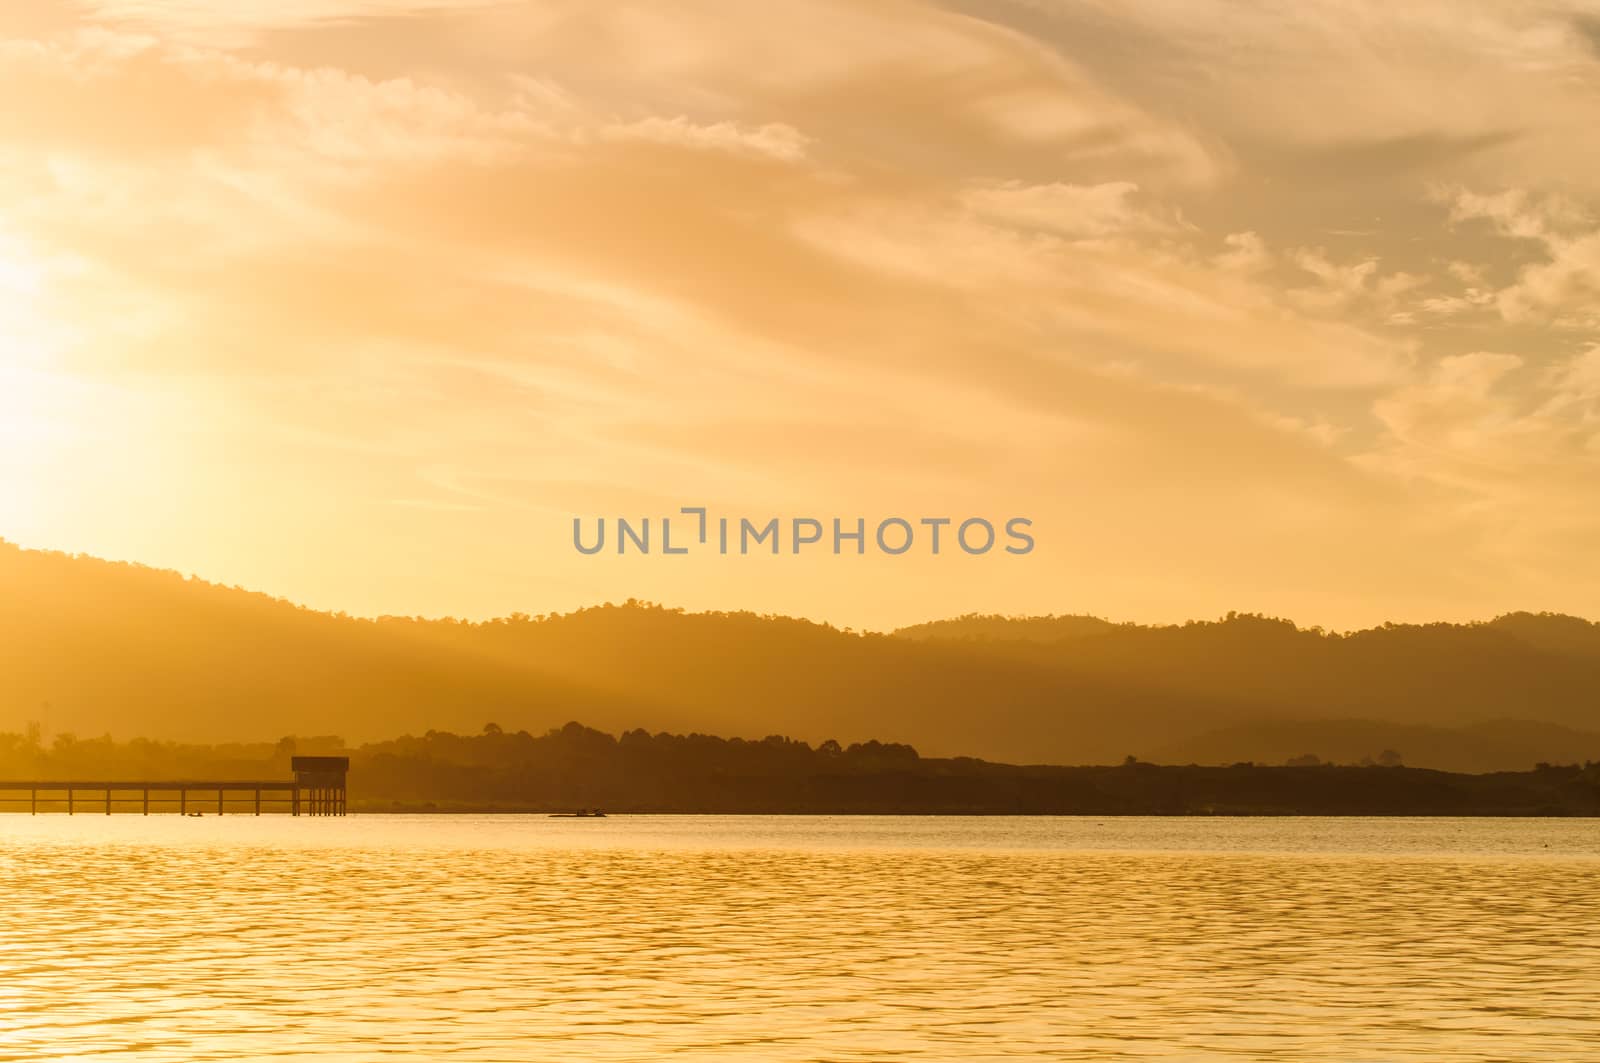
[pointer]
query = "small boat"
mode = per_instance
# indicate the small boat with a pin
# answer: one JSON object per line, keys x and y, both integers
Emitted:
{"x": 587, "y": 813}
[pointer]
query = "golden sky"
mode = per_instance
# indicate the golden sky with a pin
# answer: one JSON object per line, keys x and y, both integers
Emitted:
{"x": 1280, "y": 307}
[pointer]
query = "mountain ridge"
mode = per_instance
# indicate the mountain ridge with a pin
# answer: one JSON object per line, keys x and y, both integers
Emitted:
{"x": 93, "y": 646}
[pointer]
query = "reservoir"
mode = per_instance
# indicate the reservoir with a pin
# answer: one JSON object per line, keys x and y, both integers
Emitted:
{"x": 798, "y": 938}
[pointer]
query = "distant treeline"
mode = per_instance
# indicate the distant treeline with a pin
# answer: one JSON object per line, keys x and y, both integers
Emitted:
{"x": 576, "y": 767}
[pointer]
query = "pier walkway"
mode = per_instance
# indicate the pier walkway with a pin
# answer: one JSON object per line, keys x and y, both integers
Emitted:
{"x": 318, "y": 789}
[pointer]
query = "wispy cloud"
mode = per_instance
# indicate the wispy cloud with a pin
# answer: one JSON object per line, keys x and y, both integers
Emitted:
{"x": 477, "y": 261}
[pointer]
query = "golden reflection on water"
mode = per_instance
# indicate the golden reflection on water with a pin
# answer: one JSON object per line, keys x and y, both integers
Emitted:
{"x": 756, "y": 938}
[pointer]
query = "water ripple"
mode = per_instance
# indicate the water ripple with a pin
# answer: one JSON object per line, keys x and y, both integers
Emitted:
{"x": 512, "y": 938}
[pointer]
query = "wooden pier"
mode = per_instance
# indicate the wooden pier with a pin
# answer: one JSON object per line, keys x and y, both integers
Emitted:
{"x": 317, "y": 789}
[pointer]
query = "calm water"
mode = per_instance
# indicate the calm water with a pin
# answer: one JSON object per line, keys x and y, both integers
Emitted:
{"x": 810, "y": 938}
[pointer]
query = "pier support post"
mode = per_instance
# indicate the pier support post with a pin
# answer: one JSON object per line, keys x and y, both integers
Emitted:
{"x": 317, "y": 792}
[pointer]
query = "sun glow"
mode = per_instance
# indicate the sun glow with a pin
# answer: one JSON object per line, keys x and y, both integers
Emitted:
{"x": 23, "y": 335}
{"x": 21, "y": 283}
{"x": 29, "y": 340}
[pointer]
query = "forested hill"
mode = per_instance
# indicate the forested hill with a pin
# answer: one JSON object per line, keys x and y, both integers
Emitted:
{"x": 990, "y": 628}
{"x": 92, "y": 647}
